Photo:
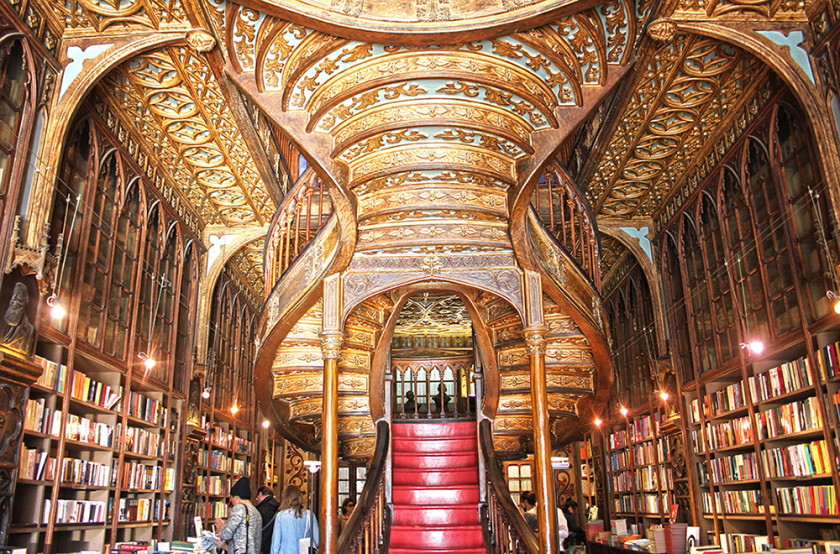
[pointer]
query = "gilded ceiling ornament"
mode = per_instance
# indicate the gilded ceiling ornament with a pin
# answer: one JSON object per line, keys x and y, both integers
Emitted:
{"x": 663, "y": 30}
{"x": 201, "y": 41}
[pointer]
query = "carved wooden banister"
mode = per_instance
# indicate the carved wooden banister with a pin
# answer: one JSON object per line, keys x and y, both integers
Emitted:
{"x": 369, "y": 529}
{"x": 566, "y": 215}
{"x": 304, "y": 211}
{"x": 505, "y": 530}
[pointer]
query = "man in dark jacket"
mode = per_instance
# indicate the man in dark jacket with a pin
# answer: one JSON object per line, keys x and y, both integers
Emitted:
{"x": 267, "y": 506}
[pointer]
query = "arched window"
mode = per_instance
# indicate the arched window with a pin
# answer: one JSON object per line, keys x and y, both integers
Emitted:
{"x": 677, "y": 309}
{"x": 723, "y": 317}
{"x": 184, "y": 339}
{"x": 13, "y": 95}
{"x": 799, "y": 181}
{"x": 698, "y": 298}
{"x": 67, "y": 213}
{"x": 773, "y": 251}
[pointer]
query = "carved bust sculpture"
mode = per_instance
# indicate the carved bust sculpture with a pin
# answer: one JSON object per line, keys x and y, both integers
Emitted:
{"x": 18, "y": 331}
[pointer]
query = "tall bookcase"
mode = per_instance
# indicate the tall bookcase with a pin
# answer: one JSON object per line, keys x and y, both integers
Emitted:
{"x": 640, "y": 479}
{"x": 765, "y": 443}
{"x": 98, "y": 460}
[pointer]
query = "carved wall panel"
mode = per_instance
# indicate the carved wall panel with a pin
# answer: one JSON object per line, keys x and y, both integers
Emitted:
{"x": 12, "y": 401}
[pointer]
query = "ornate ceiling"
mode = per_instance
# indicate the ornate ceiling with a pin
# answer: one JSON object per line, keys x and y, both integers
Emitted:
{"x": 430, "y": 111}
{"x": 434, "y": 314}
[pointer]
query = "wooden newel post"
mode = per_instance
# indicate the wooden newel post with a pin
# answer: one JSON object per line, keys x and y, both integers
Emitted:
{"x": 331, "y": 341}
{"x": 535, "y": 334}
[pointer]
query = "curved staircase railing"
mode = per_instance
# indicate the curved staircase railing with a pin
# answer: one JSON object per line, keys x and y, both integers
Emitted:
{"x": 369, "y": 528}
{"x": 560, "y": 206}
{"x": 304, "y": 211}
{"x": 504, "y": 528}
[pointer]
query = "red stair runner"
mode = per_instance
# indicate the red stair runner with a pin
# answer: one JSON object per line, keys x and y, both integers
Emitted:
{"x": 435, "y": 489}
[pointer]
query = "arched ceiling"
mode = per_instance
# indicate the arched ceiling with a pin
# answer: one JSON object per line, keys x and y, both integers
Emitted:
{"x": 414, "y": 130}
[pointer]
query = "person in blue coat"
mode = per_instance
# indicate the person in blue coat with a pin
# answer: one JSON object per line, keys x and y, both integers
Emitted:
{"x": 292, "y": 523}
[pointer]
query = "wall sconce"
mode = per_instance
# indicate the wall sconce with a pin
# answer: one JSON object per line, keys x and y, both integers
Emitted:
{"x": 205, "y": 394}
{"x": 266, "y": 424}
{"x": 624, "y": 411}
{"x": 148, "y": 360}
{"x": 755, "y": 347}
{"x": 598, "y": 422}
{"x": 835, "y": 298}
{"x": 664, "y": 395}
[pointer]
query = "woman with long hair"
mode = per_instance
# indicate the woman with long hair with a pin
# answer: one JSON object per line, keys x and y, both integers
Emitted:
{"x": 293, "y": 523}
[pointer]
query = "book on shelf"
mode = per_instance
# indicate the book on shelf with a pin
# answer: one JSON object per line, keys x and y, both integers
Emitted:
{"x": 783, "y": 379}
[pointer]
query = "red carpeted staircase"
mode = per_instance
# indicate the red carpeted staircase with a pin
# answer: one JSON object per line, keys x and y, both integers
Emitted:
{"x": 435, "y": 489}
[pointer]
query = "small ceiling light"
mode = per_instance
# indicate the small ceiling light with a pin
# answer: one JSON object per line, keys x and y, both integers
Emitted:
{"x": 664, "y": 395}
{"x": 150, "y": 363}
{"x": 624, "y": 411}
{"x": 266, "y": 424}
{"x": 834, "y": 297}
{"x": 234, "y": 409}
{"x": 755, "y": 347}
{"x": 205, "y": 394}
{"x": 57, "y": 311}
{"x": 598, "y": 422}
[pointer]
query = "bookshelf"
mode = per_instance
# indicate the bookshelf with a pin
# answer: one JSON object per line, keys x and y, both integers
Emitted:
{"x": 640, "y": 479}
{"x": 765, "y": 444}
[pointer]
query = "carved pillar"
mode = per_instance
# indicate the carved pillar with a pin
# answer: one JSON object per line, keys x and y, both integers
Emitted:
{"x": 331, "y": 341}
{"x": 535, "y": 333}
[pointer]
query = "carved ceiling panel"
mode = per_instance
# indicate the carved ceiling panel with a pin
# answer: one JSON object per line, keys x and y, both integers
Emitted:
{"x": 173, "y": 104}
{"x": 434, "y": 314}
{"x": 119, "y": 15}
{"x": 247, "y": 263}
{"x": 689, "y": 89}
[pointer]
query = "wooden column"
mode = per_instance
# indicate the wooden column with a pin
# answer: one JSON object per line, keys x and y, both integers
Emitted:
{"x": 535, "y": 333}
{"x": 331, "y": 340}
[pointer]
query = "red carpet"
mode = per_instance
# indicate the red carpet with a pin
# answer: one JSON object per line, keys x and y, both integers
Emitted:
{"x": 435, "y": 489}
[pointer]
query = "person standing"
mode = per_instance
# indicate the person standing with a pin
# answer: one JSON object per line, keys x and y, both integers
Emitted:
{"x": 528, "y": 501}
{"x": 347, "y": 508}
{"x": 292, "y": 523}
{"x": 243, "y": 528}
{"x": 267, "y": 505}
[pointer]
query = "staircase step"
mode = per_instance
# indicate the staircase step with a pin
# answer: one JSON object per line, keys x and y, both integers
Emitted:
{"x": 444, "y": 496}
{"x": 434, "y": 444}
{"x": 412, "y": 460}
{"x": 436, "y": 478}
{"x": 435, "y": 516}
{"x": 435, "y": 539}
{"x": 437, "y": 551}
{"x": 440, "y": 430}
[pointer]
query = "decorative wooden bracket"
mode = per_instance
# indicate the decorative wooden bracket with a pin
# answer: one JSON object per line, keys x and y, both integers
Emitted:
{"x": 38, "y": 261}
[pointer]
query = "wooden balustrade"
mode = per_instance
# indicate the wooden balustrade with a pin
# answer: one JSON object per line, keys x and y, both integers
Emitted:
{"x": 565, "y": 213}
{"x": 305, "y": 209}
{"x": 504, "y": 528}
{"x": 368, "y": 530}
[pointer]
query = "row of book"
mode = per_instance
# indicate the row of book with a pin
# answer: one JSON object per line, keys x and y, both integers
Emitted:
{"x": 213, "y": 484}
{"x": 730, "y": 433}
{"x": 213, "y": 509}
{"x": 40, "y": 418}
{"x": 241, "y": 467}
{"x": 142, "y": 441}
{"x": 624, "y": 505}
{"x": 36, "y": 465}
{"x": 82, "y": 429}
{"x": 739, "y": 467}
{"x": 829, "y": 361}
{"x": 147, "y": 477}
{"x": 214, "y": 459}
{"x": 734, "y": 543}
{"x": 647, "y": 453}
{"x": 622, "y": 482}
{"x": 643, "y": 428}
{"x": 618, "y": 439}
{"x": 718, "y": 402}
{"x": 92, "y": 391}
{"x": 814, "y": 500}
{"x": 803, "y": 415}
{"x": 226, "y": 439}
{"x": 76, "y": 511}
{"x": 86, "y": 472}
{"x": 784, "y": 379}
{"x": 618, "y": 460}
{"x": 147, "y": 409}
{"x": 733, "y": 502}
{"x": 799, "y": 460}
{"x": 54, "y": 376}
{"x": 649, "y": 478}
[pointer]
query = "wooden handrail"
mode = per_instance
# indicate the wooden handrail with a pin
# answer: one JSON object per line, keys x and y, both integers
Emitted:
{"x": 563, "y": 211}
{"x": 369, "y": 529}
{"x": 505, "y": 530}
